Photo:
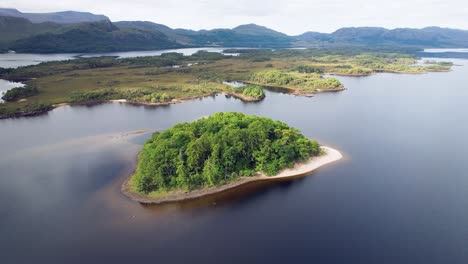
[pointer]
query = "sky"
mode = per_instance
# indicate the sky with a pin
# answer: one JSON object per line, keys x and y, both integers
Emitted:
{"x": 292, "y": 17}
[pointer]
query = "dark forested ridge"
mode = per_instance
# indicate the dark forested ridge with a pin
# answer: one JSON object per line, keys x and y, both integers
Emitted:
{"x": 14, "y": 28}
{"x": 59, "y": 32}
{"x": 215, "y": 150}
{"x": 425, "y": 37}
{"x": 65, "y": 17}
{"x": 101, "y": 36}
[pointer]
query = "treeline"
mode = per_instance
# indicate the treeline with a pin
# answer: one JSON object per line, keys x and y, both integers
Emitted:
{"x": 101, "y": 36}
{"x": 254, "y": 91}
{"x": 143, "y": 95}
{"x": 307, "y": 69}
{"x": 250, "y": 90}
{"x": 19, "y": 93}
{"x": 218, "y": 149}
{"x": 307, "y": 82}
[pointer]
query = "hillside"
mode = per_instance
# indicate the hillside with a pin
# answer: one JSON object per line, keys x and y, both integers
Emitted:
{"x": 146, "y": 25}
{"x": 256, "y": 30}
{"x": 249, "y": 35}
{"x": 26, "y": 32}
{"x": 66, "y": 17}
{"x": 102, "y": 36}
{"x": 425, "y": 37}
{"x": 14, "y": 28}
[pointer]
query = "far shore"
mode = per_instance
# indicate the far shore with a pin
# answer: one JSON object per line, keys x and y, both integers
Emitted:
{"x": 44, "y": 110}
{"x": 300, "y": 169}
{"x": 238, "y": 96}
{"x": 297, "y": 91}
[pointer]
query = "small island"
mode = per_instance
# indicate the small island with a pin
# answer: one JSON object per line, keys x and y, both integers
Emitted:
{"x": 220, "y": 152}
{"x": 248, "y": 93}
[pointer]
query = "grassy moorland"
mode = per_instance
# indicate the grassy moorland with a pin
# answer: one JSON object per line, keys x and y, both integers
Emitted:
{"x": 173, "y": 77}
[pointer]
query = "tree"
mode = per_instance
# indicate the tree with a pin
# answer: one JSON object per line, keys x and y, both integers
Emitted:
{"x": 214, "y": 150}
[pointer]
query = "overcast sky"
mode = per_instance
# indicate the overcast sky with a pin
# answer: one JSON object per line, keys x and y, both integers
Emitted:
{"x": 288, "y": 16}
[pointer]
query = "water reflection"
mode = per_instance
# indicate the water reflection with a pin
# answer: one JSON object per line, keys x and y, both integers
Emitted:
{"x": 60, "y": 199}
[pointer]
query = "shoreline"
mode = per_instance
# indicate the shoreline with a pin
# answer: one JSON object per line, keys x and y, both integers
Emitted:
{"x": 299, "y": 170}
{"x": 246, "y": 99}
{"x": 44, "y": 110}
{"x": 296, "y": 91}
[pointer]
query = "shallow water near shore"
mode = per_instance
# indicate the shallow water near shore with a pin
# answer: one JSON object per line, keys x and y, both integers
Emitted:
{"x": 400, "y": 195}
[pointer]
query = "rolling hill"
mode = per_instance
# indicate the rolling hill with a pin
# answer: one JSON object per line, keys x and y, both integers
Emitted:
{"x": 101, "y": 36}
{"x": 66, "y": 17}
{"x": 15, "y": 28}
{"x": 425, "y": 37}
{"x": 72, "y": 31}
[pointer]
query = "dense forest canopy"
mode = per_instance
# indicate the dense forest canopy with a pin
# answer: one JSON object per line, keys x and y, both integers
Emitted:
{"x": 218, "y": 149}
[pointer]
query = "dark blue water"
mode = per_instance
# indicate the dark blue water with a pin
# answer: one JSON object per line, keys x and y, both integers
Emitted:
{"x": 399, "y": 196}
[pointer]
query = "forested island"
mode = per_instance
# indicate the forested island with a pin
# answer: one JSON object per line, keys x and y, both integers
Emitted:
{"x": 218, "y": 152}
{"x": 173, "y": 77}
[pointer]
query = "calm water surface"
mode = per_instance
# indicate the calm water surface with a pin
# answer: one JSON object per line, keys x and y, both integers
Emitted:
{"x": 399, "y": 196}
{"x": 7, "y": 85}
{"x": 15, "y": 60}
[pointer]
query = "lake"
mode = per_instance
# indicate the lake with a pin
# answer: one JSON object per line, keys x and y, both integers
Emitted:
{"x": 400, "y": 195}
{"x": 7, "y": 85}
{"x": 15, "y": 60}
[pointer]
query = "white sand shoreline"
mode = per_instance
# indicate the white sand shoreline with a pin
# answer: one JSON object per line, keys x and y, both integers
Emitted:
{"x": 300, "y": 169}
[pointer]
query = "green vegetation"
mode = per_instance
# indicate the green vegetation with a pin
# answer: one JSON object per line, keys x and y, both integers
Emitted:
{"x": 161, "y": 79}
{"x": 296, "y": 81}
{"x": 440, "y": 63}
{"x": 92, "y": 96}
{"x": 307, "y": 69}
{"x": 253, "y": 91}
{"x": 215, "y": 150}
{"x": 15, "y": 28}
{"x": 101, "y": 36}
{"x": 19, "y": 93}
{"x": 80, "y": 32}
{"x": 243, "y": 51}
{"x": 248, "y": 92}
{"x": 24, "y": 109}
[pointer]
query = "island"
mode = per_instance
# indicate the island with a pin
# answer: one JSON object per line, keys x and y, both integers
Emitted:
{"x": 173, "y": 78}
{"x": 221, "y": 152}
{"x": 248, "y": 93}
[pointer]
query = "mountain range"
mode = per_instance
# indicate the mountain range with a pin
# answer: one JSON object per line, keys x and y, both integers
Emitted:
{"x": 66, "y": 17}
{"x": 72, "y": 31}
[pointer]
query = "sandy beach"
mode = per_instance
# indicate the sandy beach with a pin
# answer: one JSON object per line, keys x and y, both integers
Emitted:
{"x": 300, "y": 169}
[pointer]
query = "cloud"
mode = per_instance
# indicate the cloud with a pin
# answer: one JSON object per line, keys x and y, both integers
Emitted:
{"x": 292, "y": 17}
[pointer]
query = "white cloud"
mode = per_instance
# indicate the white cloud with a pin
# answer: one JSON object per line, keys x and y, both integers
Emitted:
{"x": 292, "y": 17}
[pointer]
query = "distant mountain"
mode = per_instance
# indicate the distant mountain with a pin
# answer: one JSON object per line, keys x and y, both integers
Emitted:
{"x": 14, "y": 28}
{"x": 102, "y": 36}
{"x": 425, "y": 37}
{"x": 146, "y": 25}
{"x": 256, "y": 30}
{"x": 85, "y": 32}
{"x": 66, "y": 17}
{"x": 249, "y": 35}
{"x": 314, "y": 36}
